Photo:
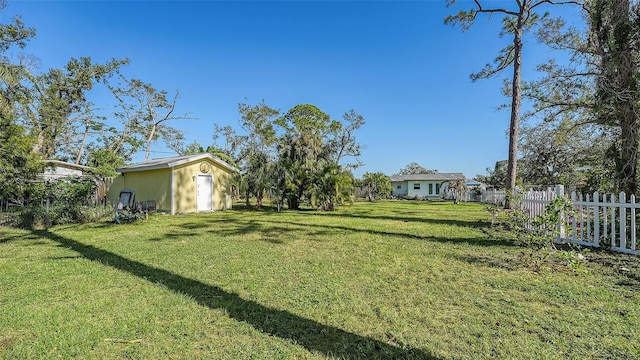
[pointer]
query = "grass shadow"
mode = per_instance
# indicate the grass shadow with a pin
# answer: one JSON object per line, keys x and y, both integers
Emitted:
{"x": 10, "y": 238}
{"x": 452, "y": 222}
{"x": 327, "y": 229}
{"x": 312, "y": 335}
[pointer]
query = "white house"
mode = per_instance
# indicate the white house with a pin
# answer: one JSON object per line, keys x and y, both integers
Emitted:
{"x": 422, "y": 185}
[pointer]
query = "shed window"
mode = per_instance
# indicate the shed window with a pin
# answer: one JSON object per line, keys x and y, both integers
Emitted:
{"x": 399, "y": 186}
{"x": 430, "y": 188}
{"x": 437, "y": 188}
{"x": 416, "y": 186}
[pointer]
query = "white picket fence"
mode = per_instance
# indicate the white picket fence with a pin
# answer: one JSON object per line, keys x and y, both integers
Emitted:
{"x": 606, "y": 221}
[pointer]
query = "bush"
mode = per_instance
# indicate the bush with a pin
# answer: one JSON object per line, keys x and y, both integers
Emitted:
{"x": 63, "y": 201}
{"x": 539, "y": 234}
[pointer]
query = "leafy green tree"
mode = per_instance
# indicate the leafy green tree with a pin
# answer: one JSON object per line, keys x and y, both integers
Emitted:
{"x": 376, "y": 185}
{"x": 331, "y": 186}
{"x": 596, "y": 91}
{"x": 12, "y": 34}
{"x": 297, "y": 157}
{"x": 255, "y": 149}
{"x": 495, "y": 177}
{"x": 519, "y": 18}
{"x": 559, "y": 152}
{"x": 56, "y": 110}
{"x": 104, "y": 162}
{"x": 616, "y": 29}
{"x": 415, "y": 168}
{"x": 306, "y": 130}
{"x": 18, "y": 164}
{"x": 192, "y": 149}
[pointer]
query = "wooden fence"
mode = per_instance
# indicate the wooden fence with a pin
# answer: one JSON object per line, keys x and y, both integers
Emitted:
{"x": 10, "y": 212}
{"x": 607, "y": 221}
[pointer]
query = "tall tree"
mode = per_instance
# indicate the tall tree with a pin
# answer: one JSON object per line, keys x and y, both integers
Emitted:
{"x": 145, "y": 113}
{"x": 12, "y": 34}
{"x": 255, "y": 148}
{"x": 18, "y": 164}
{"x": 56, "y": 108}
{"x": 616, "y": 31}
{"x": 516, "y": 22}
{"x": 597, "y": 88}
{"x": 343, "y": 145}
{"x": 306, "y": 131}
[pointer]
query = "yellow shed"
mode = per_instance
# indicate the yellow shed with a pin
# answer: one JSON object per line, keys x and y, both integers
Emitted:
{"x": 179, "y": 184}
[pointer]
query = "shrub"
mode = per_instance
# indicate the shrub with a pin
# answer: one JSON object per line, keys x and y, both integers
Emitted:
{"x": 62, "y": 201}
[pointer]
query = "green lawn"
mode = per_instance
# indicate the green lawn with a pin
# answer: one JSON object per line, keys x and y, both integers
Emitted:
{"x": 396, "y": 280}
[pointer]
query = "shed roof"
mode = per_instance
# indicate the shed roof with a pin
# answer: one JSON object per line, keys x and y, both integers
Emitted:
{"x": 170, "y": 162}
{"x": 64, "y": 164}
{"x": 427, "y": 177}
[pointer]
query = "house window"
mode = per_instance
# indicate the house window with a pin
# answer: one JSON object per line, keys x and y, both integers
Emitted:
{"x": 430, "y": 188}
{"x": 437, "y": 189}
{"x": 416, "y": 186}
{"x": 399, "y": 187}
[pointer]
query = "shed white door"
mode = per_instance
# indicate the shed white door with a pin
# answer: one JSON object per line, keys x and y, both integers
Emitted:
{"x": 205, "y": 193}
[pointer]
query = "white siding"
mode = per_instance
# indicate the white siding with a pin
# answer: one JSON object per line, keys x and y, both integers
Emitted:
{"x": 399, "y": 188}
{"x": 56, "y": 172}
{"x": 430, "y": 189}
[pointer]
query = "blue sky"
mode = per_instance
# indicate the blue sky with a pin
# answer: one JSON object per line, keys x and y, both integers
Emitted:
{"x": 395, "y": 63}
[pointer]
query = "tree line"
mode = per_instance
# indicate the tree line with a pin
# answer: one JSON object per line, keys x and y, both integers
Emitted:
{"x": 296, "y": 157}
{"x": 48, "y": 115}
{"x": 582, "y": 126}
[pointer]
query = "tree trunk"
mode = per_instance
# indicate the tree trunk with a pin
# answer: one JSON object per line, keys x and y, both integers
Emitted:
{"x": 259, "y": 199}
{"x": 149, "y": 139}
{"x": 512, "y": 167}
{"x": 84, "y": 141}
{"x": 625, "y": 82}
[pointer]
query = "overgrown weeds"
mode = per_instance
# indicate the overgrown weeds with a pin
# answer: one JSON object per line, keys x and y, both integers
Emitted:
{"x": 540, "y": 234}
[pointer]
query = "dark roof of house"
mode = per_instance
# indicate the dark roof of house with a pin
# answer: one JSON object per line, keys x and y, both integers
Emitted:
{"x": 169, "y": 162}
{"x": 427, "y": 177}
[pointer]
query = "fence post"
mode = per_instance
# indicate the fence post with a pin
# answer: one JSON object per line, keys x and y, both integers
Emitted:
{"x": 622, "y": 200}
{"x": 559, "y": 191}
{"x": 47, "y": 213}
{"x": 596, "y": 219}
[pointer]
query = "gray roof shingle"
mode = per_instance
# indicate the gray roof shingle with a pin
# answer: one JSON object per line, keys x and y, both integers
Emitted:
{"x": 427, "y": 177}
